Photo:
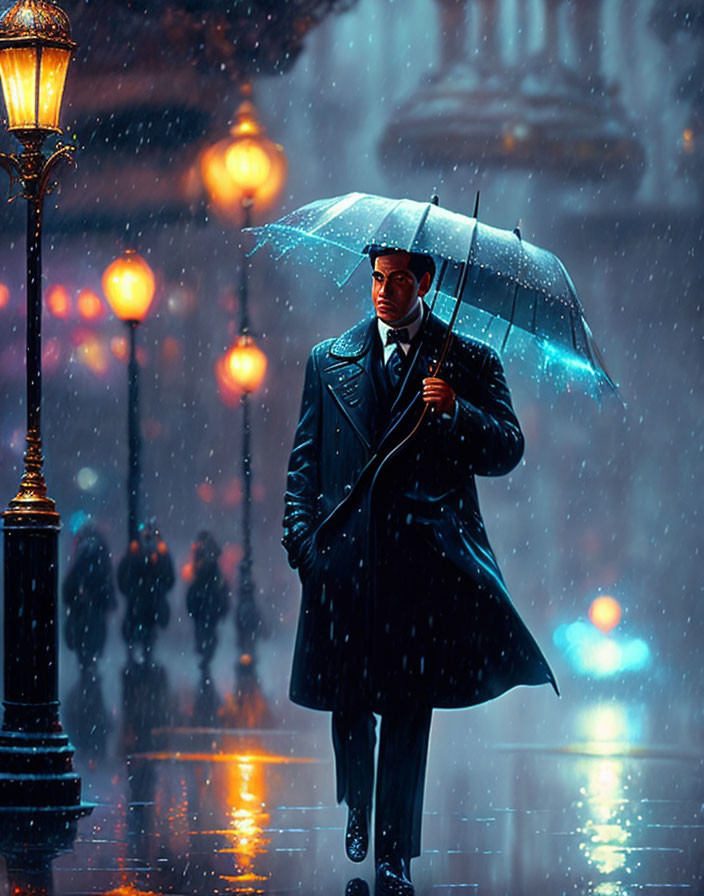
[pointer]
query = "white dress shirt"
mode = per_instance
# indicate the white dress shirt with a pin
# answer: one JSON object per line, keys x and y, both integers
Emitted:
{"x": 412, "y": 328}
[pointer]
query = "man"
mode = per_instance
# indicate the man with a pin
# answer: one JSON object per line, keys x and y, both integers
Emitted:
{"x": 404, "y": 607}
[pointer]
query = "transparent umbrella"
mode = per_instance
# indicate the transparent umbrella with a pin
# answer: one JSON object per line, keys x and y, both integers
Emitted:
{"x": 491, "y": 284}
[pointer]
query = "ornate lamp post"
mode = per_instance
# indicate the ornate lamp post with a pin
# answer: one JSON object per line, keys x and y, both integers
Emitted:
{"x": 39, "y": 791}
{"x": 243, "y": 173}
{"x": 128, "y": 284}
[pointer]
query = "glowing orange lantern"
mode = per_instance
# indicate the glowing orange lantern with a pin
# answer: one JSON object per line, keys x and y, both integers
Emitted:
{"x": 129, "y": 285}
{"x": 246, "y": 169}
{"x": 35, "y": 50}
{"x": 605, "y": 613}
{"x": 242, "y": 368}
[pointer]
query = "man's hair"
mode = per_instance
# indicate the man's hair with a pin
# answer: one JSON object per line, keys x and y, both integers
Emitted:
{"x": 418, "y": 264}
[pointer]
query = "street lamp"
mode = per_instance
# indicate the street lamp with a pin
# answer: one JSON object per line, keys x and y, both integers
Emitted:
{"x": 244, "y": 173}
{"x": 244, "y": 169}
{"x": 39, "y": 791}
{"x": 128, "y": 284}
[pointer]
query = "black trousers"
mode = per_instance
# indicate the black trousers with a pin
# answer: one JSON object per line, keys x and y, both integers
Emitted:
{"x": 400, "y": 778}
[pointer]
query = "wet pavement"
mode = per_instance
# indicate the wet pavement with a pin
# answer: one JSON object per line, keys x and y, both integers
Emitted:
{"x": 213, "y": 811}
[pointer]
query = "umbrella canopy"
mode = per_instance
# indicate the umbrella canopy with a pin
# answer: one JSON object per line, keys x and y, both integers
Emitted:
{"x": 508, "y": 293}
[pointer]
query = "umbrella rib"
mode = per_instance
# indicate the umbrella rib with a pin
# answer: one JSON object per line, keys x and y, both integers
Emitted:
{"x": 510, "y": 321}
{"x": 385, "y": 219}
{"x": 421, "y": 225}
{"x": 458, "y": 299}
{"x": 287, "y": 228}
{"x": 441, "y": 277}
{"x": 515, "y": 291}
{"x": 335, "y": 210}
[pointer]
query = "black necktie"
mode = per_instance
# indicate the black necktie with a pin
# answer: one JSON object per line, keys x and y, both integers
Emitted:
{"x": 396, "y": 366}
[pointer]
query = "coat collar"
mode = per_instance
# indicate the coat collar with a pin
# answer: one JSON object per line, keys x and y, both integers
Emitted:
{"x": 355, "y": 342}
{"x": 351, "y": 382}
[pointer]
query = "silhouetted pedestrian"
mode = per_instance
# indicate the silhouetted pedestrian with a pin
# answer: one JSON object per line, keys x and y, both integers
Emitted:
{"x": 145, "y": 576}
{"x": 207, "y": 598}
{"x": 88, "y": 595}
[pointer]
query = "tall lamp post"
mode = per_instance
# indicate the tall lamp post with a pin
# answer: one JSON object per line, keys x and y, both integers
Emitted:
{"x": 244, "y": 173}
{"x": 39, "y": 791}
{"x": 128, "y": 284}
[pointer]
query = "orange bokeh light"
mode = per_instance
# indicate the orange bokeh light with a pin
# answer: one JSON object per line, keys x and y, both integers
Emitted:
{"x": 4, "y": 296}
{"x": 206, "y": 492}
{"x": 119, "y": 348}
{"x": 230, "y": 559}
{"x": 89, "y": 305}
{"x": 605, "y": 613}
{"x": 58, "y": 301}
{"x": 92, "y": 353}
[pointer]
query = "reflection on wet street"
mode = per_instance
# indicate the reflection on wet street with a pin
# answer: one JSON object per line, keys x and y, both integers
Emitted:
{"x": 600, "y": 809}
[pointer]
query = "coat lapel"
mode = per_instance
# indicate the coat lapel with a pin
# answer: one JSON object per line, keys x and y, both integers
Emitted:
{"x": 423, "y": 361}
{"x": 348, "y": 377}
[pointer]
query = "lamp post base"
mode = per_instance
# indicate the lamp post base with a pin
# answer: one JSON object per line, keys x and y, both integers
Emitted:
{"x": 31, "y": 839}
{"x": 39, "y": 789}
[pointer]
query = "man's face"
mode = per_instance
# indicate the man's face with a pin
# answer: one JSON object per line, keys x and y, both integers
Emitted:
{"x": 395, "y": 289}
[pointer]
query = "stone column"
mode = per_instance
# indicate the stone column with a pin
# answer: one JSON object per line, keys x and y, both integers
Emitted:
{"x": 588, "y": 39}
{"x": 551, "y": 43}
{"x": 489, "y": 33}
{"x": 452, "y": 15}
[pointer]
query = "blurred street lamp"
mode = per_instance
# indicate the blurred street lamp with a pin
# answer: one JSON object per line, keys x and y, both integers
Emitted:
{"x": 36, "y": 768}
{"x": 129, "y": 285}
{"x": 242, "y": 368}
{"x": 245, "y": 169}
{"x": 243, "y": 174}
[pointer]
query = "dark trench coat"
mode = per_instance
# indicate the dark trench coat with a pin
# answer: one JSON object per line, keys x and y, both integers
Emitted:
{"x": 402, "y": 596}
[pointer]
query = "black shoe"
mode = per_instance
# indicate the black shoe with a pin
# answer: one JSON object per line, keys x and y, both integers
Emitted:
{"x": 357, "y": 835}
{"x": 392, "y": 878}
{"x": 357, "y": 887}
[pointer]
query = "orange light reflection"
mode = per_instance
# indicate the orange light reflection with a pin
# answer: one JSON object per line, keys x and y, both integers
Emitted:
{"x": 251, "y": 758}
{"x": 130, "y": 890}
{"x": 248, "y": 816}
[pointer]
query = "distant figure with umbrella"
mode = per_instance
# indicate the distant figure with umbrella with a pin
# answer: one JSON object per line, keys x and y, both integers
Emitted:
{"x": 404, "y": 607}
{"x": 88, "y": 594}
{"x": 145, "y": 575}
{"x": 207, "y": 602}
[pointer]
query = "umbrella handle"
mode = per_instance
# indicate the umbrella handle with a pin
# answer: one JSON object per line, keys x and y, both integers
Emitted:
{"x": 447, "y": 341}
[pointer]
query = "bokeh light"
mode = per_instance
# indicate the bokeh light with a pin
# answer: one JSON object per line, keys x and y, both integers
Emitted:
{"x": 58, "y": 301}
{"x": 605, "y": 613}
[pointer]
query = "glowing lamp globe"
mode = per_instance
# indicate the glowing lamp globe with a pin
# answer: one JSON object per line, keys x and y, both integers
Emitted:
{"x": 35, "y": 50}
{"x": 243, "y": 367}
{"x": 244, "y": 169}
{"x": 605, "y": 613}
{"x": 129, "y": 285}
